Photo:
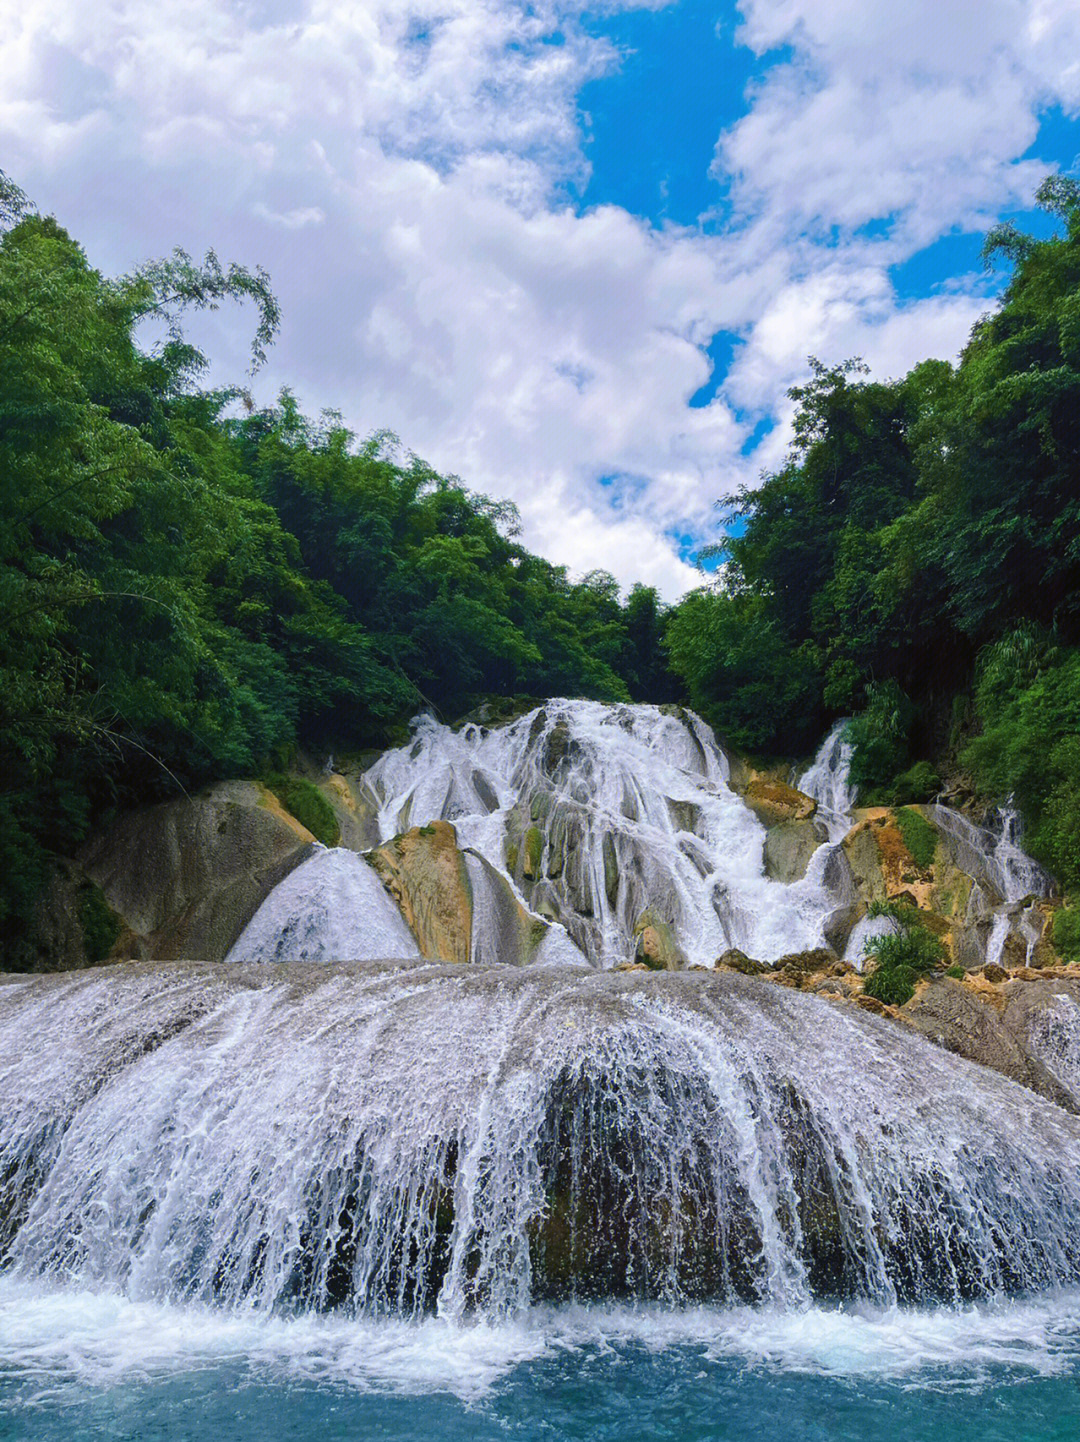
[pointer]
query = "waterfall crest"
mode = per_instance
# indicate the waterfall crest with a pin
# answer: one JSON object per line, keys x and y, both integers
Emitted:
{"x": 401, "y": 1139}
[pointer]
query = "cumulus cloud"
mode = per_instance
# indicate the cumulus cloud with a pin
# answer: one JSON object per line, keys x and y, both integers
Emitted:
{"x": 402, "y": 167}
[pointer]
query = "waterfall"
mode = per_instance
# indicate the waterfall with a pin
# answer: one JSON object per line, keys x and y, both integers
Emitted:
{"x": 1004, "y": 875}
{"x": 828, "y": 781}
{"x": 597, "y": 814}
{"x": 401, "y": 1139}
{"x": 332, "y": 906}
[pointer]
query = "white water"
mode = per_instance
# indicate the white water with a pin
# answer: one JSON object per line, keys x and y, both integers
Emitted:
{"x": 828, "y": 781}
{"x": 333, "y": 906}
{"x": 633, "y": 810}
{"x": 101, "y": 1339}
{"x": 394, "y": 1140}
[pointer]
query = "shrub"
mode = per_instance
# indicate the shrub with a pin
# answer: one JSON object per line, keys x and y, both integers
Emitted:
{"x": 920, "y": 838}
{"x": 880, "y": 740}
{"x": 919, "y": 783}
{"x": 1066, "y": 933}
{"x": 101, "y": 925}
{"x": 901, "y": 956}
{"x": 956, "y": 971}
{"x": 892, "y": 985}
{"x": 308, "y": 805}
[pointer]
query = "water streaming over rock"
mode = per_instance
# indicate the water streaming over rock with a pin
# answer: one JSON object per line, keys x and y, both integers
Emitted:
{"x": 606, "y": 819}
{"x": 395, "y": 1139}
{"x": 828, "y": 781}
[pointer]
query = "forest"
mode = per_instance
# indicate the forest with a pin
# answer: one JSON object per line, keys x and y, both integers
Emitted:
{"x": 194, "y": 587}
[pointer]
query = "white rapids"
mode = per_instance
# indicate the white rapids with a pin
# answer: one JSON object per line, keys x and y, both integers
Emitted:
{"x": 401, "y": 1140}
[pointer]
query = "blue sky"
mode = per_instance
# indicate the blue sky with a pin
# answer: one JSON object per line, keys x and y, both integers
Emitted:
{"x": 576, "y": 254}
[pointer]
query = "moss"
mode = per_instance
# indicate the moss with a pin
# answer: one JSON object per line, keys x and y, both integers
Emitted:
{"x": 920, "y": 838}
{"x": 101, "y": 925}
{"x": 956, "y": 972}
{"x": 307, "y": 804}
{"x": 1066, "y": 933}
{"x": 534, "y": 849}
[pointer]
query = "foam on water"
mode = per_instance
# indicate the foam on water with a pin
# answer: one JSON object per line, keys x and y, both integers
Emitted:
{"x": 55, "y": 1339}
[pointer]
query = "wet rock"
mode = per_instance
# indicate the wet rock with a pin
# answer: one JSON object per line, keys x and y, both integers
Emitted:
{"x": 803, "y": 963}
{"x": 788, "y": 849}
{"x": 533, "y": 851}
{"x": 611, "y": 869}
{"x": 841, "y": 922}
{"x": 187, "y": 876}
{"x": 657, "y": 946}
{"x": 994, "y": 973}
{"x": 425, "y": 872}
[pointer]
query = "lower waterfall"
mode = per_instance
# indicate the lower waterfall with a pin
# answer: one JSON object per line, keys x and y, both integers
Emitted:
{"x": 398, "y": 1140}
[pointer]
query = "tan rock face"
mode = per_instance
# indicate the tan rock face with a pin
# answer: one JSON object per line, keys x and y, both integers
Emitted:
{"x": 425, "y": 872}
{"x": 773, "y": 802}
{"x": 186, "y": 876}
{"x": 788, "y": 849}
{"x": 657, "y": 947}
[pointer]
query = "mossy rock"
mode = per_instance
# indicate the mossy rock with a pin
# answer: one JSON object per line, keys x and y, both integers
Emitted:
{"x": 657, "y": 947}
{"x": 534, "y": 851}
{"x": 774, "y": 802}
{"x": 735, "y": 960}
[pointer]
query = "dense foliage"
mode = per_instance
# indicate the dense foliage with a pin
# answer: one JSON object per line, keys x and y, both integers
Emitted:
{"x": 915, "y": 564}
{"x": 192, "y": 588}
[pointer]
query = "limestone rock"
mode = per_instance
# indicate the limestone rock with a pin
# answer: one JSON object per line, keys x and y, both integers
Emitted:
{"x": 657, "y": 947}
{"x": 425, "y": 872}
{"x": 735, "y": 960}
{"x": 774, "y": 802}
{"x": 186, "y": 876}
{"x": 788, "y": 849}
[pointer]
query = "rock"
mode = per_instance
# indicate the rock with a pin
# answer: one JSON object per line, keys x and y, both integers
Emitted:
{"x": 994, "y": 973}
{"x": 657, "y": 947}
{"x": 871, "y": 1004}
{"x": 735, "y": 960}
{"x": 425, "y": 872}
{"x": 841, "y": 922}
{"x": 534, "y": 850}
{"x": 774, "y": 802}
{"x": 611, "y": 869}
{"x": 186, "y": 876}
{"x": 788, "y": 849}
{"x": 803, "y": 963}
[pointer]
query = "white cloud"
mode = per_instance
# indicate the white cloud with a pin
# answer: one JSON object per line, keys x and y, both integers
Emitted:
{"x": 401, "y": 168}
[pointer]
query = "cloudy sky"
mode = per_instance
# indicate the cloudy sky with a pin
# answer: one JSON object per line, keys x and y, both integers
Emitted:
{"x": 575, "y": 254}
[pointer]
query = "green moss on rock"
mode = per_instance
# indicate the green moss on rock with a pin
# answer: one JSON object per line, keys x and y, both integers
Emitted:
{"x": 307, "y": 803}
{"x": 920, "y": 838}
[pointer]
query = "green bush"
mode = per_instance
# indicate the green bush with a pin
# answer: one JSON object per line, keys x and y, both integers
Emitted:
{"x": 901, "y": 957}
{"x": 101, "y": 925}
{"x": 920, "y": 838}
{"x": 308, "y": 805}
{"x": 956, "y": 971}
{"x": 892, "y": 985}
{"x": 1066, "y": 933}
{"x": 919, "y": 783}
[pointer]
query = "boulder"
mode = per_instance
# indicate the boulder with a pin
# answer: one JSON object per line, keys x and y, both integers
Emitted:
{"x": 424, "y": 870}
{"x": 735, "y": 960}
{"x": 657, "y": 947}
{"x": 788, "y": 849}
{"x": 774, "y": 802}
{"x": 186, "y": 876}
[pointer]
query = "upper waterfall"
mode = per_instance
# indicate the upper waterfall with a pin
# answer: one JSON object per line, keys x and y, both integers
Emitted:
{"x": 599, "y": 814}
{"x": 828, "y": 781}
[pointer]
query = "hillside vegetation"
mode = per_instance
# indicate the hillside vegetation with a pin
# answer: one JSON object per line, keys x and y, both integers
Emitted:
{"x": 916, "y": 565}
{"x": 193, "y": 587}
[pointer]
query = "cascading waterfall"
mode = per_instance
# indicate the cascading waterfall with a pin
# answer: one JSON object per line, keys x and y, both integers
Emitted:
{"x": 392, "y": 1140}
{"x": 598, "y": 813}
{"x": 332, "y": 906}
{"x": 1004, "y": 874}
{"x": 828, "y": 781}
